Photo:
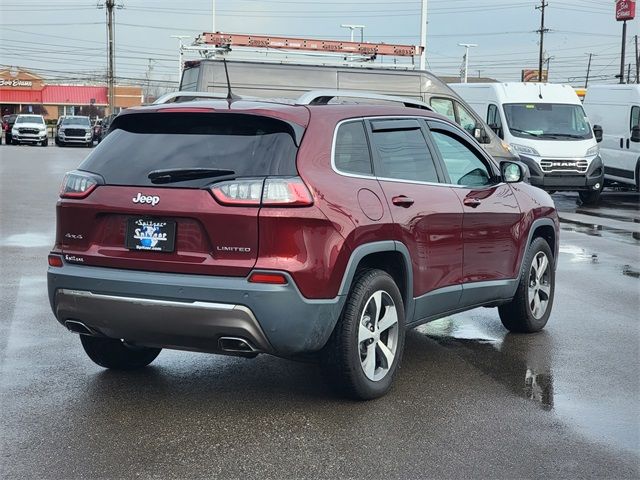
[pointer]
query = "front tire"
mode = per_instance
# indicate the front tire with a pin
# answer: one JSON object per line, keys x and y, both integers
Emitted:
{"x": 590, "y": 197}
{"x": 530, "y": 308}
{"x": 115, "y": 354}
{"x": 366, "y": 346}
{"x": 45, "y": 143}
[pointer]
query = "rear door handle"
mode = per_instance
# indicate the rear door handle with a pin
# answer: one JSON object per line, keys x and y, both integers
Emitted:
{"x": 621, "y": 142}
{"x": 627, "y": 143}
{"x": 402, "y": 201}
{"x": 471, "y": 202}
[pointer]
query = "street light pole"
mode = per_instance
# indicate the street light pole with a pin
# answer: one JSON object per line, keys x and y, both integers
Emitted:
{"x": 423, "y": 35}
{"x": 466, "y": 46}
{"x": 354, "y": 27}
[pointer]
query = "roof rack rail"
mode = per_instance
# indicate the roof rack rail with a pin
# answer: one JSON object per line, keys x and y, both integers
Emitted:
{"x": 323, "y": 97}
{"x": 173, "y": 97}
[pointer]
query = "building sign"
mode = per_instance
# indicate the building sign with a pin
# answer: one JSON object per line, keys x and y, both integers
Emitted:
{"x": 625, "y": 10}
{"x": 16, "y": 83}
{"x": 531, "y": 75}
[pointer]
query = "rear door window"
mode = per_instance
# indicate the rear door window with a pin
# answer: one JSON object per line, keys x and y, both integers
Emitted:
{"x": 351, "y": 153}
{"x": 249, "y": 145}
{"x": 402, "y": 151}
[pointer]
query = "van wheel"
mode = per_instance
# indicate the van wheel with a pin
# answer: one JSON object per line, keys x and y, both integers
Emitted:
{"x": 366, "y": 346}
{"x": 530, "y": 308}
{"x": 116, "y": 354}
{"x": 590, "y": 197}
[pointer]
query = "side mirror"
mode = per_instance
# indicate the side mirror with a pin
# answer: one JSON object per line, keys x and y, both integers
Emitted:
{"x": 511, "y": 172}
{"x": 635, "y": 134}
{"x": 481, "y": 136}
{"x": 597, "y": 132}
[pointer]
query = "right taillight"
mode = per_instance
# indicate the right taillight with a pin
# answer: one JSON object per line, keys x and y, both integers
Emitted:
{"x": 269, "y": 192}
{"x": 78, "y": 184}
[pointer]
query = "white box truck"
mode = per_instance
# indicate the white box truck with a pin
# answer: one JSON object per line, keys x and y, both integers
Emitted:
{"x": 617, "y": 109}
{"x": 547, "y": 125}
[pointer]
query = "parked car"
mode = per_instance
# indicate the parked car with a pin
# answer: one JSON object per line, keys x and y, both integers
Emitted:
{"x": 7, "y": 125}
{"x": 616, "y": 108}
{"x": 546, "y": 124}
{"x": 76, "y": 130}
{"x": 302, "y": 231}
{"x": 30, "y": 129}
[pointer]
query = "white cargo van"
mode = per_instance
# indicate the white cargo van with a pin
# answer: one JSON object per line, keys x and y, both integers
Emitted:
{"x": 617, "y": 109}
{"x": 546, "y": 124}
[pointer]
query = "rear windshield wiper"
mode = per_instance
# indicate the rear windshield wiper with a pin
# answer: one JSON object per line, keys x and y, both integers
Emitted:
{"x": 181, "y": 174}
{"x": 517, "y": 130}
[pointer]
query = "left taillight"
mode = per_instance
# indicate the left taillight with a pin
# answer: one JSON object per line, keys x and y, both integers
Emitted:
{"x": 78, "y": 184}
{"x": 269, "y": 192}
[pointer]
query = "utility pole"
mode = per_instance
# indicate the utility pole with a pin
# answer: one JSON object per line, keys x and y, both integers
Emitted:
{"x": 213, "y": 18}
{"x": 586, "y": 82}
{"x": 110, "y": 5}
{"x": 180, "y": 55}
{"x": 465, "y": 61}
{"x": 423, "y": 35}
{"x": 542, "y": 31}
{"x": 637, "y": 58}
{"x": 622, "y": 54}
{"x": 629, "y": 73}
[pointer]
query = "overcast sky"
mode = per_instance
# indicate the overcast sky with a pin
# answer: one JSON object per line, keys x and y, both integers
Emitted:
{"x": 67, "y": 37}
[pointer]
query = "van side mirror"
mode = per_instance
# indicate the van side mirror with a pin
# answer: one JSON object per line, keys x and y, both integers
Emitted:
{"x": 635, "y": 134}
{"x": 597, "y": 132}
{"x": 497, "y": 130}
{"x": 511, "y": 172}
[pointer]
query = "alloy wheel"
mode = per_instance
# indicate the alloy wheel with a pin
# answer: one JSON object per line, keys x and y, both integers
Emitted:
{"x": 378, "y": 335}
{"x": 539, "y": 285}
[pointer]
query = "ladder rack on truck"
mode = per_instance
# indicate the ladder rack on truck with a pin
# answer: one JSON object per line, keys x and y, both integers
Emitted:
{"x": 226, "y": 41}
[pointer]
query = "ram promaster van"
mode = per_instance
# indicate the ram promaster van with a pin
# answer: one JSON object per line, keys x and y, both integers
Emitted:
{"x": 547, "y": 126}
{"x": 290, "y": 81}
{"x": 617, "y": 109}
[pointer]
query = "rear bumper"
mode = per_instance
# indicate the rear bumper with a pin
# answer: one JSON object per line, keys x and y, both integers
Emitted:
{"x": 191, "y": 312}
{"x": 566, "y": 181}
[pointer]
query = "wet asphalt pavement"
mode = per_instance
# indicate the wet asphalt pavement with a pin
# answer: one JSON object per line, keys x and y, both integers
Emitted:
{"x": 471, "y": 399}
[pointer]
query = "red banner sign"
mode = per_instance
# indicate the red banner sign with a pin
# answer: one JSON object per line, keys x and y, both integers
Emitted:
{"x": 625, "y": 10}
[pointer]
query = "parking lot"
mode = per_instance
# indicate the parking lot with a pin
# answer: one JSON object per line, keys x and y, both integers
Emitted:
{"x": 470, "y": 400}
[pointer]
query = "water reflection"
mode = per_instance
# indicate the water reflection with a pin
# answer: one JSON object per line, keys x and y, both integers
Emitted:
{"x": 520, "y": 362}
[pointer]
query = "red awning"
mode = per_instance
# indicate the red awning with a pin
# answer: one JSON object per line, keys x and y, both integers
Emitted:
{"x": 9, "y": 95}
{"x": 74, "y": 95}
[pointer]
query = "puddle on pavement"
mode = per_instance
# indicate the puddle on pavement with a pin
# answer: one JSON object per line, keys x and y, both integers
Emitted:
{"x": 595, "y": 230}
{"x": 27, "y": 240}
{"x": 522, "y": 364}
{"x": 629, "y": 271}
{"x": 579, "y": 254}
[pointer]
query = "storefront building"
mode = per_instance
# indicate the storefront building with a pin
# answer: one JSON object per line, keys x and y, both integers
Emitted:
{"x": 24, "y": 92}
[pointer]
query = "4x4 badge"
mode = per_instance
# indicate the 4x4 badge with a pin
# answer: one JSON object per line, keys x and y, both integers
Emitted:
{"x": 152, "y": 199}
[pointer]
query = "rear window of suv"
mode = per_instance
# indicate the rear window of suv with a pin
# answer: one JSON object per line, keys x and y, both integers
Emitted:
{"x": 249, "y": 145}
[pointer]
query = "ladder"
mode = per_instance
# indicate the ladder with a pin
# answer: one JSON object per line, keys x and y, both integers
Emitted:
{"x": 226, "y": 41}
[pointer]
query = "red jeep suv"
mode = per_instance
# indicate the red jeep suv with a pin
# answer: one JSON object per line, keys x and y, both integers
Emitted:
{"x": 306, "y": 230}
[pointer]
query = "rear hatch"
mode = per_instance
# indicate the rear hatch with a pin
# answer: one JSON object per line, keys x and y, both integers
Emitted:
{"x": 143, "y": 198}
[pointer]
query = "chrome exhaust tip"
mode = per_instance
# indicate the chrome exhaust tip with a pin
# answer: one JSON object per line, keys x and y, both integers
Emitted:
{"x": 78, "y": 327}
{"x": 236, "y": 345}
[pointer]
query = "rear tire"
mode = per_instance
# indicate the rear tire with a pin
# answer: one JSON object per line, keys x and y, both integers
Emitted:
{"x": 531, "y": 306}
{"x": 366, "y": 346}
{"x": 115, "y": 354}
